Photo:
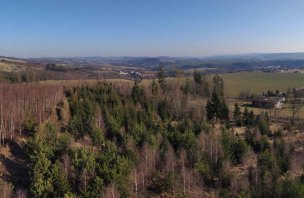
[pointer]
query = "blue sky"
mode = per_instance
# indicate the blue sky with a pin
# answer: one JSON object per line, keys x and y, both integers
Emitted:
{"x": 57, "y": 28}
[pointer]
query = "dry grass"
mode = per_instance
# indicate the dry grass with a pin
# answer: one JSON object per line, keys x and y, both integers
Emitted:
{"x": 5, "y": 151}
{"x": 9, "y": 67}
{"x": 239, "y": 130}
{"x": 275, "y": 127}
{"x": 13, "y": 60}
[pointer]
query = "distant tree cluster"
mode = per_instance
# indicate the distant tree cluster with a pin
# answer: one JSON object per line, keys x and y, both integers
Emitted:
{"x": 33, "y": 75}
{"x": 270, "y": 93}
{"x": 54, "y": 67}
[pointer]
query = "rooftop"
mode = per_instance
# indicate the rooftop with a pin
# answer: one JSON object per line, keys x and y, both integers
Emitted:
{"x": 267, "y": 99}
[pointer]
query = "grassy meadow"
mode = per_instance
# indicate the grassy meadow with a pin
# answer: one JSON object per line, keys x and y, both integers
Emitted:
{"x": 257, "y": 82}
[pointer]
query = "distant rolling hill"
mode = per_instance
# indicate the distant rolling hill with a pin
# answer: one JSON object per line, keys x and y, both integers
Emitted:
{"x": 12, "y": 64}
{"x": 258, "y": 57}
{"x": 225, "y": 62}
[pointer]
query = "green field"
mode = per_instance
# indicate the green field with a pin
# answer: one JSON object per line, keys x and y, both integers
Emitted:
{"x": 234, "y": 83}
{"x": 257, "y": 82}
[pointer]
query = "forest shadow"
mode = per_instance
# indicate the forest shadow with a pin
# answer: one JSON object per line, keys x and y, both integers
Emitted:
{"x": 16, "y": 172}
{"x": 247, "y": 105}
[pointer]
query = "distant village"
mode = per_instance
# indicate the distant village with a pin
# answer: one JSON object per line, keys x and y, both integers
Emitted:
{"x": 136, "y": 74}
{"x": 280, "y": 69}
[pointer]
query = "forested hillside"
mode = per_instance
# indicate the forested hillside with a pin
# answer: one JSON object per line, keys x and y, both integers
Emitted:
{"x": 117, "y": 140}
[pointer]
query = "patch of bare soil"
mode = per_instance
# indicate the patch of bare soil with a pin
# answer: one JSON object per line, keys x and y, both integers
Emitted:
{"x": 239, "y": 130}
{"x": 296, "y": 138}
{"x": 274, "y": 127}
{"x": 297, "y": 165}
{"x": 83, "y": 142}
{"x": 250, "y": 161}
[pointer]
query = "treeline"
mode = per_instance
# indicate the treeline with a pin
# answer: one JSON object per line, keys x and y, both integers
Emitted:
{"x": 54, "y": 67}
{"x": 33, "y": 75}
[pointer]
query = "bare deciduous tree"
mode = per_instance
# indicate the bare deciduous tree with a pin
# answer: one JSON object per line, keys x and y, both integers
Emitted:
{"x": 294, "y": 105}
{"x": 20, "y": 100}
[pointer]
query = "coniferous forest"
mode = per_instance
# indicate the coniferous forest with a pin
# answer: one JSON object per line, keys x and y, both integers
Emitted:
{"x": 152, "y": 140}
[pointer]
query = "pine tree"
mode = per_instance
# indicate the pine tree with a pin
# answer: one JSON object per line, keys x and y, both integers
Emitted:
{"x": 197, "y": 77}
{"x": 60, "y": 183}
{"x": 41, "y": 185}
{"x": 237, "y": 115}
{"x": 216, "y": 107}
{"x": 154, "y": 88}
{"x": 218, "y": 85}
{"x": 246, "y": 117}
{"x": 161, "y": 77}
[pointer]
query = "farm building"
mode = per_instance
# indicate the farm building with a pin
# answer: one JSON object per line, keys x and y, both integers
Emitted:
{"x": 268, "y": 102}
{"x": 299, "y": 92}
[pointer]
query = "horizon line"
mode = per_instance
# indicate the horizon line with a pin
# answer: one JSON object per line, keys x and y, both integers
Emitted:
{"x": 156, "y": 56}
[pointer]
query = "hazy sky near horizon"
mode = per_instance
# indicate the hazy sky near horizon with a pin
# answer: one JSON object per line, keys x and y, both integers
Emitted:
{"x": 57, "y": 28}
